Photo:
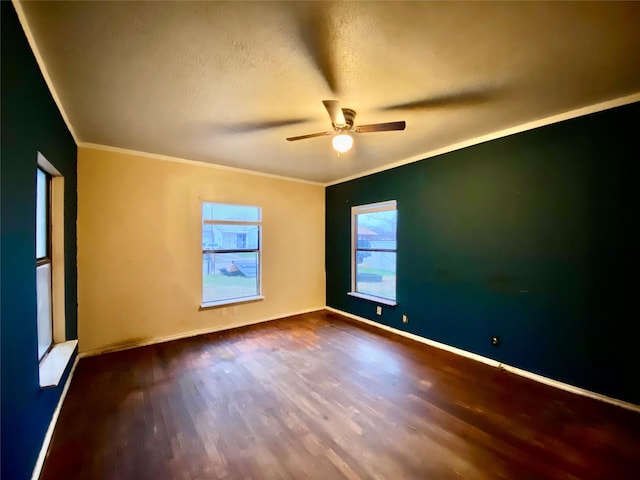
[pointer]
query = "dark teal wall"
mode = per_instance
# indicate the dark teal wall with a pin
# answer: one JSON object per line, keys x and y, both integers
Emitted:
{"x": 532, "y": 237}
{"x": 31, "y": 122}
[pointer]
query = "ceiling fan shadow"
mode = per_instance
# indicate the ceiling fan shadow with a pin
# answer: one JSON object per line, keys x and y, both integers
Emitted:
{"x": 455, "y": 99}
{"x": 250, "y": 127}
{"x": 318, "y": 36}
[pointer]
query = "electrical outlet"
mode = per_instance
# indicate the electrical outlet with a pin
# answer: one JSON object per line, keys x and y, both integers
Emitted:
{"x": 223, "y": 312}
{"x": 405, "y": 319}
{"x": 379, "y": 310}
{"x": 495, "y": 340}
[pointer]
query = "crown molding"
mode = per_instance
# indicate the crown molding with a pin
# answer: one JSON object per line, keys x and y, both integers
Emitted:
{"x": 17, "y": 4}
{"x": 579, "y": 112}
{"x": 197, "y": 163}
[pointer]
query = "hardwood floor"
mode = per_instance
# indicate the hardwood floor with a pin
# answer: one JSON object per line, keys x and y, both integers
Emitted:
{"x": 319, "y": 397}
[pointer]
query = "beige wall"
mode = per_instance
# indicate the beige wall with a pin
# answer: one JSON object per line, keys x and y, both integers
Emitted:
{"x": 139, "y": 257}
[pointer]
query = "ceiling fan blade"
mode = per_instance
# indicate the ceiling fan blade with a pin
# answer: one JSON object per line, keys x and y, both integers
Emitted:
{"x": 310, "y": 135}
{"x": 335, "y": 112}
{"x": 381, "y": 127}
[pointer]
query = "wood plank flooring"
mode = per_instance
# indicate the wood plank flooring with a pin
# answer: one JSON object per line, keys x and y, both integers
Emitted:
{"x": 317, "y": 396}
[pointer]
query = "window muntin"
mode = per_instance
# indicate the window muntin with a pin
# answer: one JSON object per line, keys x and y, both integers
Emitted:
{"x": 44, "y": 312}
{"x": 230, "y": 253}
{"x": 374, "y": 234}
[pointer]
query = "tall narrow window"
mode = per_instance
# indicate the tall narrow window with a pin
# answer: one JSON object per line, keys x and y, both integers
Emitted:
{"x": 43, "y": 262}
{"x": 55, "y": 351}
{"x": 230, "y": 253}
{"x": 373, "y": 271}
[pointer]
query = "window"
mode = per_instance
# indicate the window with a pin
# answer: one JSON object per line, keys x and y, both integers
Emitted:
{"x": 373, "y": 259}
{"x": 231, "y": 237}
{"x": 43, "y": 262}
{"x": 54, "y": 350}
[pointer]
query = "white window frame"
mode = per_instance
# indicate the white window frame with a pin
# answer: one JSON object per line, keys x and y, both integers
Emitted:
{"x": 258, "y": 251}
{"x": 53, "y": 364}
{"x": 355, "y": 211}
{"x": 44, "y": 264}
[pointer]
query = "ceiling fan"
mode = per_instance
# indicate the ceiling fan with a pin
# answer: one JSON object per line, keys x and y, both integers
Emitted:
{"x": 342, "y": 120}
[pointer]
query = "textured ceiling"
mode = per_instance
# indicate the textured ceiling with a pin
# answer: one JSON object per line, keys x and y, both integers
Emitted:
{"x": 226, "y": 83}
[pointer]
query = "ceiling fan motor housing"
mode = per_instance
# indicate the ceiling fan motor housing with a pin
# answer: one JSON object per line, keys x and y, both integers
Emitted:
{"x": 349, "y": 117}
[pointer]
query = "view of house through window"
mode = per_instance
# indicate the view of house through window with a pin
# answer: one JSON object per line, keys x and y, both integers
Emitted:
{"x": 230, "y": 253}
{"x": 374, "y": 249}
{"x": 43, "y": 262}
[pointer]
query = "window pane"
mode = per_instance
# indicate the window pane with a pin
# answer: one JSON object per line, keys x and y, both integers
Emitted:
{"x": 377, "y": 230}
{"x": 208, "y": 238}
{"x": 230, "y": 237}
{"x": 229, "y": 275}
{"x": 376, "y": 273}
{"x": 238, "y": 213}
{"x": 43, "y": 292}
{"x": 41, "y": 214}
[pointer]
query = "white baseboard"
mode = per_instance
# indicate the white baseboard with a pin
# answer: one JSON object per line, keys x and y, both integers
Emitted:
{"x": 190, "y": 333}
{"x": 37, "y": 469}
{"x": 494, "y": 363}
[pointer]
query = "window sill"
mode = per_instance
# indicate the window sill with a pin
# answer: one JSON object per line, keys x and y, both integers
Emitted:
{"x": 373, "y": 298}
{"x": 231, "y": 301}
{"x": 53, "y": 365}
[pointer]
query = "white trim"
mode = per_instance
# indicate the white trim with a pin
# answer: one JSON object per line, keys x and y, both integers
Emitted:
{"x": 47, "y": 166}
{"x": 258, "y": 251}
{"x": 55, "y": 362}
{"x": 37, "y": 469}
{"x": 57, "y": 293}
{"x": 43, "y": 69}
{"x": 387, "y": 206}
{"x": 373, "y": 298}
{"x": 494, "y": 363}
{"x": 58, "y": 297}
{"x": 198, "y": 163}
{"x": 230, "y": 301}
{"x": 579, "y": 112}
{"x": 191, "y": 333}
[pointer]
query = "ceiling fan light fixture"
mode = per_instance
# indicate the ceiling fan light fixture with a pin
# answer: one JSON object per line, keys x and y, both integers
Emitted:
{"x": 342, "y": 143}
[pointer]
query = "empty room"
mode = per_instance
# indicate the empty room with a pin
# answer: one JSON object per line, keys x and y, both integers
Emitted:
{"x": 319, "y": 240}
